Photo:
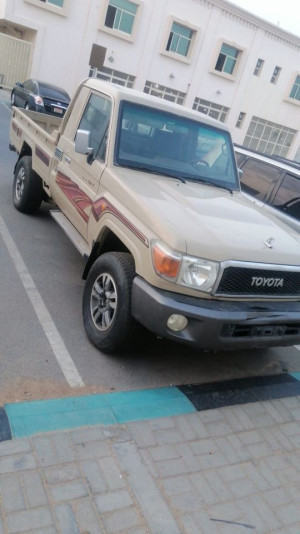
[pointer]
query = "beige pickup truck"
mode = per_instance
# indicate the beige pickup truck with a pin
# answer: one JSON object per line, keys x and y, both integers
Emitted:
{"x": 149, "y": 193}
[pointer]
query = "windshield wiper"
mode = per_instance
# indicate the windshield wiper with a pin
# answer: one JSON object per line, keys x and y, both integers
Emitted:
{"x": 212, "y": 184}
{"x": 155, "y": 171}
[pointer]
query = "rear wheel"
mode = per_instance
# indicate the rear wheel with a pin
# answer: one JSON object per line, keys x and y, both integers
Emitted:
{"x": 27, "y": 187}
{"x": 106, "y": 304}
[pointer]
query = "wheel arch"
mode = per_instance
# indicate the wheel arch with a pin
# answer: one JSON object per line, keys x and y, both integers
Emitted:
{"x": 26, "y": 150}
{"x": 107, "y": 241}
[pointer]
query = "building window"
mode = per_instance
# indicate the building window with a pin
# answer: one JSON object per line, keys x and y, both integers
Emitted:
{"x": 240, "y": 121}
{"x": 211, "y": 109}
{"x": 227, "y": 59}
{"x": 58, "y": 3}
{"x": 295, "y": 92}
{"x": 180, "y": 39}
{"x": 258, "y": 67}
{"x": 113, "y": 76}
{"x": 268, "y": 137}
{"x": 164, "y": 92}
{"x": 120, "y": 15}
{"x": 56, "y": 6}
{"x": 275, "y": 75}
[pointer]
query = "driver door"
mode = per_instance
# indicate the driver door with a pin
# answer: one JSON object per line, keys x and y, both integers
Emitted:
{"x": 77, "y": 177}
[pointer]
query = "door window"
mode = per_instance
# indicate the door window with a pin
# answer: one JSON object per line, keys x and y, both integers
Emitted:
{"x": 95, "y": 119}
{"x": 287, "y": 198}
{"x": 259, "y": 178}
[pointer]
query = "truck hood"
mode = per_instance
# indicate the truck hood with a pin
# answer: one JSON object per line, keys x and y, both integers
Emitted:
{"x": 205, "y": 221}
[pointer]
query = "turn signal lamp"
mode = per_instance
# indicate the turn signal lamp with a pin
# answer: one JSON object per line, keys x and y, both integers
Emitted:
{"x": 165, "y": 262}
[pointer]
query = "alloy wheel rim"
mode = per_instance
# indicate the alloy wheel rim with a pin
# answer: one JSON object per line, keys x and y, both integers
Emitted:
{"x": 20, "y": 183}
{"x": 103, "y": 302}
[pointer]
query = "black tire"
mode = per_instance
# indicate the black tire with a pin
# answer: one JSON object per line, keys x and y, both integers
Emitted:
{"x": 106, "y": 304}
{"x": 27, "y": 187}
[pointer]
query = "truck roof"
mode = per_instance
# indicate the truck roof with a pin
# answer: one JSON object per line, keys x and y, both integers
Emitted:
{"x": 118, "y": 92}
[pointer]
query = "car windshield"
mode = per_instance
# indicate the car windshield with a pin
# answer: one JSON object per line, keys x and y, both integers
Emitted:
{"x": 161, "y": 142}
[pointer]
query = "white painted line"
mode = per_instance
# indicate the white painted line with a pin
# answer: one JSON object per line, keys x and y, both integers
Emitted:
{"x": 297, "y": 347}
{"x": 56, "y": 342}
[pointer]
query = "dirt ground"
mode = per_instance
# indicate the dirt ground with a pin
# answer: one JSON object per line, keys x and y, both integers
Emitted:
{"x": 25, "y": 389}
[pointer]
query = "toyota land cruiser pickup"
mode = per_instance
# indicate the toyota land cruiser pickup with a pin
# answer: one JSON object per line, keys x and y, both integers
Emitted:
{"x": 149, "y": 193}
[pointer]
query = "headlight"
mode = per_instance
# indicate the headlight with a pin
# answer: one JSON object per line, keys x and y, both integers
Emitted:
{"x": 198, "y": 273}
{"x": 189, "y": 271}
{"x": 38, "y": 100}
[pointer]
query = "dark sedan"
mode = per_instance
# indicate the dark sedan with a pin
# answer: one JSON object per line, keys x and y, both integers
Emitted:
{"x": 40, "y": 96}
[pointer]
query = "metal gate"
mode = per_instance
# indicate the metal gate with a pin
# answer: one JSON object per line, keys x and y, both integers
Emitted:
{"x": 14, "y": 60}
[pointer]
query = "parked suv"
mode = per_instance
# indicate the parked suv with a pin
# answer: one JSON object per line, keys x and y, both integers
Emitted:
{"x": 273, "y": 182}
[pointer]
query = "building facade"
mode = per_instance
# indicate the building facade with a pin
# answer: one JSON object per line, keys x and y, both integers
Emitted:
{"x": 209, "y": 55}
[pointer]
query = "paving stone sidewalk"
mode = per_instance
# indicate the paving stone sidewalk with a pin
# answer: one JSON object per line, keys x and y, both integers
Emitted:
{"x": 232, "y": 470}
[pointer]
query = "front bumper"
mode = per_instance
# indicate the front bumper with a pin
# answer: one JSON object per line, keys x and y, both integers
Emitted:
{"x": 217, "y": 324}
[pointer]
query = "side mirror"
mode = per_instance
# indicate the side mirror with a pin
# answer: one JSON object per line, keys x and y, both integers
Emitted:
{"x": 82, "y": 144}
{"x": 19, "y": 84}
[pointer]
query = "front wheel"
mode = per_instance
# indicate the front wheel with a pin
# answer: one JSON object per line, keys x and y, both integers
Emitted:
{"x": 106, "y": 304}
{"x": 27, "y": 187}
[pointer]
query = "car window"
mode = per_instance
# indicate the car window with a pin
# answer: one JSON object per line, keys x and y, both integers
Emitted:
{"x": 259, "y": 178}
{"x": 29, "y": 85}
{"x": 95, "y": 119}
{"x": 287, "y": 198}
{"x": 239, "y": 158}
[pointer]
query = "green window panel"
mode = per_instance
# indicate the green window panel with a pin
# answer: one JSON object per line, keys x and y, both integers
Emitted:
{"x": 227, "y": 59}
{"x": 120, "y": 15}
{"x": 179, "y": 39}
{"x": 295, "y": 92}
{"x": 59, "y": 3}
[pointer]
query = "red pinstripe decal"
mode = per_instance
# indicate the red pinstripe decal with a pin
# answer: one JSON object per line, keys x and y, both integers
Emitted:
{"x": 81, "y": 201}
{"x": 102, "y": 206}
{"x": 77, "y": 197}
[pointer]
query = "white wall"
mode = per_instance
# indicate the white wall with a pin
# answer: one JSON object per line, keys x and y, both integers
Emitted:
{"x": 62, "y": 46}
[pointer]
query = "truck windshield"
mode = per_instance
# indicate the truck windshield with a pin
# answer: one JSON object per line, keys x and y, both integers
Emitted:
{"x": 162, "y": 142}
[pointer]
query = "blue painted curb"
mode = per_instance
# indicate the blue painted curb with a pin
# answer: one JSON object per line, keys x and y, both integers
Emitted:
{"x": 33, "y": 417}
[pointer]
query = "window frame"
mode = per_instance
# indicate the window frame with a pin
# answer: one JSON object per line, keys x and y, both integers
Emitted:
{"x": 216, "y": 56}
{"x": 166, "y": 37}
{"x": 272, "y": 186}
{"x": 260, "y": 136}
{"x": 63, "y": 11}
{"x": 241, "y": 119}
{"x": 162, "y": 91}
{"x": 113, "y": 76}
{"x": 287, "y": 175}
{"x": 104, "y": 140}
{"x": 213, "y": 109}
{"x": 258, "y": 67}
{"x": 115, "y": 31}
{"x": 275, "y": 76}
{"x": 289, "y": 98}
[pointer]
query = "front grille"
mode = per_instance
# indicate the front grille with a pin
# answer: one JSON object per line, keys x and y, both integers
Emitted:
{"x": 263, "y": 330}
{"x": 256, "y": 282}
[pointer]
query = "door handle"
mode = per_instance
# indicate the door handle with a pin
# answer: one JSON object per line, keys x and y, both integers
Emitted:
{"x": 67, "y": 159}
